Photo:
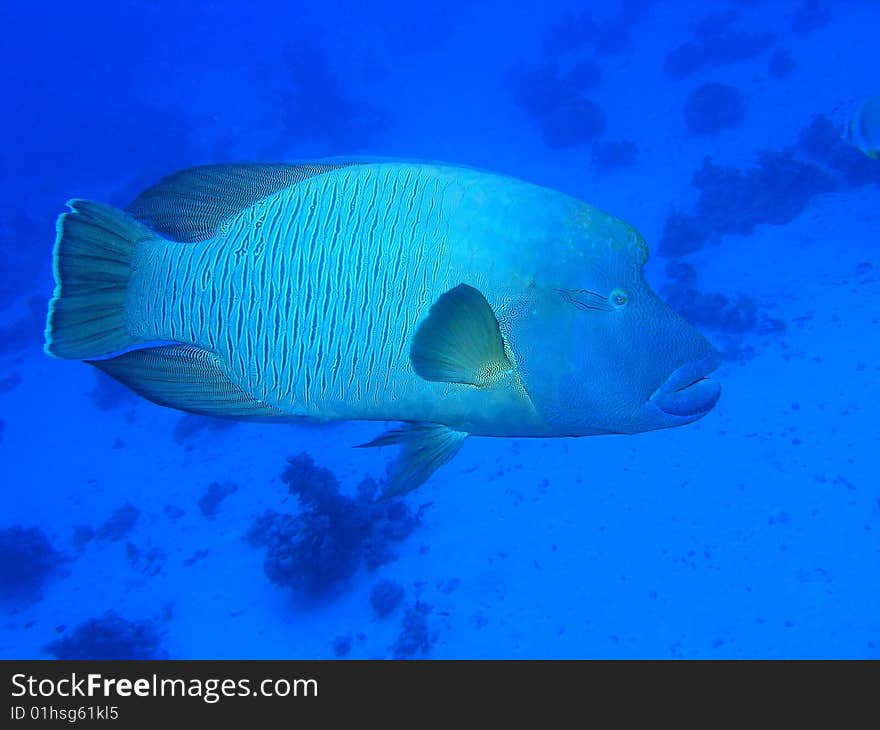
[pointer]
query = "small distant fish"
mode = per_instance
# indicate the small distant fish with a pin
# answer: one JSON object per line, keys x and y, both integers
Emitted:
{"x": 863, "y": 129}
{"x": 456, "y": 301}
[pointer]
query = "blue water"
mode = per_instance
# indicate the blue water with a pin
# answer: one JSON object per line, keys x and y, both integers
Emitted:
{"x": 129, "y": 530}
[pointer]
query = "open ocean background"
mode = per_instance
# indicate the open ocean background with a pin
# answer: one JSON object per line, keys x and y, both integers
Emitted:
{"x": 129, "y": 530}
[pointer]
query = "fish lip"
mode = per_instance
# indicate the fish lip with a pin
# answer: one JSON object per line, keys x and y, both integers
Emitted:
{"x": 689, "y": 391}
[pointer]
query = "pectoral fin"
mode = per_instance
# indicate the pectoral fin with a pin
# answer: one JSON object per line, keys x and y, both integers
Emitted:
{"x": 460, "y": 341}
{"x": 424, "y": 448}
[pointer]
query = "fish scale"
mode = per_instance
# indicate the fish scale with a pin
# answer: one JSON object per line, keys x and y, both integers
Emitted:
{"x": 322, "y": 245}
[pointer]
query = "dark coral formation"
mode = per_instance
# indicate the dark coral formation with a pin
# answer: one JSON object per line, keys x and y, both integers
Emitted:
{"x": 775, "y": 190}
{"x": 314, "y": 551}
{"x": 715, "y": 43}
{"x": 575, "y": 31}
{"x": 195, "y": 557}
{"x": 582, "y": 32}
{"x": 415, "y": 638}
{"x": 810, "y": 15}
{"x": 28, "y": 561}
{"x": 109, "y": 637}
{"x": 385, "y": 597}
{"x": 149, "y": 562}
{"x": 119, "y": 524}
{"x": 333, "y": 534}
{"x": 82, "y": 536}
{"x": 728, "y": 319}
{"x": 318, "y": 107}
{"x": 553, "y": 91}
{"x": 342, "y": 646}
{"x": 209, "y": 502}
{"x": 682, "y": 234}
{"x": 609, "y": 155}
{"x": 541, "y": 88}
{"x": 555, "y": 102}
{"x": 712, "y": 107}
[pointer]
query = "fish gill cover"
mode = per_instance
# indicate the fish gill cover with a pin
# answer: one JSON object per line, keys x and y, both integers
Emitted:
{"x": 720, "y": 135}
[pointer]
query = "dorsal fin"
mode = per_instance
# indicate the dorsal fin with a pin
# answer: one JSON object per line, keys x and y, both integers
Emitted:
{"x": 190, "y": 205}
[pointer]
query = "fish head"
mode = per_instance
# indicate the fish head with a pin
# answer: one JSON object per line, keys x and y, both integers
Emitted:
{"x": 600, "y": 352}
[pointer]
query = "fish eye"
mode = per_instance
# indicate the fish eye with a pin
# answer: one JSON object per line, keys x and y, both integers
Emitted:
{"x": 618, "y": 298}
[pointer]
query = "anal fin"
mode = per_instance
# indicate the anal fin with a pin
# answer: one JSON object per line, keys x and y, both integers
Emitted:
{"x": 188, "y": 378}
{"x": 424, "y": 448}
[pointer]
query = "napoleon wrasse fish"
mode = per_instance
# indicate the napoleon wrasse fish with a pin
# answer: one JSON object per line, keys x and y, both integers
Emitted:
{"x": 455, "y": 301}
{"x": 863, "y": 129}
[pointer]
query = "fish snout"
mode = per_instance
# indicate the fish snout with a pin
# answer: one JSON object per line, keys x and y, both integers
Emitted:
{"x": 688, "y": 391}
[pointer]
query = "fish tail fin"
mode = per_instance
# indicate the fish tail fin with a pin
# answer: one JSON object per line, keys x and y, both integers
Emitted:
{"x": 93, "y": 255}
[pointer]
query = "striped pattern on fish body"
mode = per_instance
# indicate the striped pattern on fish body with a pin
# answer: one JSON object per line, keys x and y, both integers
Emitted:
{"x": 456, "y": 301}
{"x": 311, "y": 295}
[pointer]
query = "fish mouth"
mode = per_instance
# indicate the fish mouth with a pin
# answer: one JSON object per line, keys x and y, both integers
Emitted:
{"x": 689, "y": 392}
